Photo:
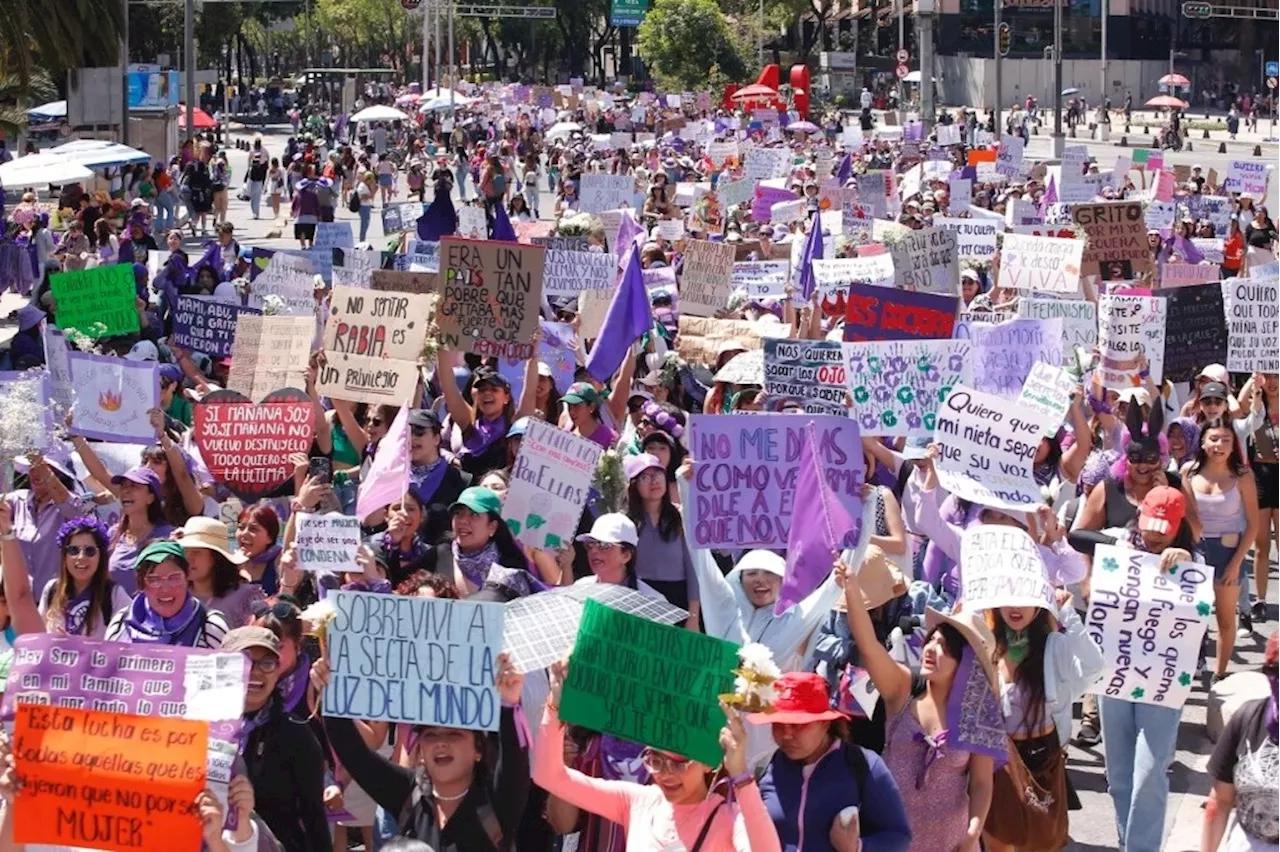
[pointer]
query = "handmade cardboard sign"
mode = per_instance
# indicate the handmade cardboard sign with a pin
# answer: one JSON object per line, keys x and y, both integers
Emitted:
{"x": 811, "y": 371}
{"x": 837, "y": 275}
{"x": 420, "y": 661}
{"x": 1079, "y": 320}
{"x": 204, "y": 324}
{"x": 140, "y": 793}
{"x": 1195, "y": 331}
{"x": 96, "y": 302}
{"x": 327, "y": 542}
{"x": 706, "y": 277}
{"x": 897, "y": 386}
{"x": 986, "y": 447}
{"x": 1149, "y": 623}
{"x": 270, "y": 352}
{"x": 649, "y": 683}
{"x": 1117, "y": 240}
{"x": 1252, "y": 324}
{"x": 549, "y": 484}
{"x": 925, "y": 261}
{"x": 1002, "y": 566}
{"x": 700, "y": 338}
{"x": 289, "y": 277}
{"x": 492, "y": 293}
{"x": 882, "y": 313}
{"x": 247, "y": 445}
{"x": 744, "y": 484}
{"x": 114, "y": 397}
{"x": 1130, "y": 327}
{"x": 569, "y": 273}
{"x": 761, "y": 279}
{"x": 1003, "y": 354}
{"x": 1041, "y": 264}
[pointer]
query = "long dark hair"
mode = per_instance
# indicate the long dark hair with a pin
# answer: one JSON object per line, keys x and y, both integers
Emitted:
{"x": 99, "y": 583}
{"x": 1235, "y": 459}
{"x": 226, "y": 576}
{"x": 174, "y": 507}
{"x": 1029, "y": 674}
{"x": 669, "y": 525}
{"x": 510, "y": 555}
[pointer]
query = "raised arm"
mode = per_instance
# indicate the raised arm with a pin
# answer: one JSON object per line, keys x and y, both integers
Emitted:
{"x": 459, "y": 412}
{"x": 892, "y": 679}
{"x": 17, "y": 582}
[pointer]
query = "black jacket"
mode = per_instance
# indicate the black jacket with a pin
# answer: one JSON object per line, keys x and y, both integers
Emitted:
{"x": 497, "y": 806}
{"x": 286, "y": 767}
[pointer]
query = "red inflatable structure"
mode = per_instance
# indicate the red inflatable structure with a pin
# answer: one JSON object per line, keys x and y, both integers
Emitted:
{"x": 763, "y": 92}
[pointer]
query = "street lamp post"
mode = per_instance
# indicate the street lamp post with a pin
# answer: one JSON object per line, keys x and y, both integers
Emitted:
{"x": 1058, "y": 141}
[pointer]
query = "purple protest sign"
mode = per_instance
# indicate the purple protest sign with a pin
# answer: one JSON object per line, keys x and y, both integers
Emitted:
{"x": 203, "y": 324}
{"x": 146, "y": 680}
{"x": 765, "y": 198}
{"x": 884, "y": 313}
{"x": 745, "y": 479}
{"x": 1002, "y": 355}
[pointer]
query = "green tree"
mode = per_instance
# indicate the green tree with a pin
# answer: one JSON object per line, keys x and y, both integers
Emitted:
{"x": 16, "y": 97}
{"x": 687, "y": 43}
{"x": 57, "y": 36}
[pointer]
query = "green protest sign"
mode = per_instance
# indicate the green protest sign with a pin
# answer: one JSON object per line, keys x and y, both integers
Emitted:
{"x": 96, "y": 302}
{"x": 649, "y": 683}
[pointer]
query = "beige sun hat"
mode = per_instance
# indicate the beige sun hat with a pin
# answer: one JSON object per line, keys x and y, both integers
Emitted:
{"x": 207, "y": 534}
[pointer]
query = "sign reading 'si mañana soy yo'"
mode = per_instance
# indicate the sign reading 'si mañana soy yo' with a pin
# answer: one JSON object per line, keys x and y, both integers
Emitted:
{"x": 628, "y": 13}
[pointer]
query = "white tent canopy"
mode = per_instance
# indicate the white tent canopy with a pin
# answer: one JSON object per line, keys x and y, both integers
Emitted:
{"x": 37, "y": 170}
{"x": 100, "y": 154}
{"x": 563, "y": 128}
{"x": 50, "y": 111}
{"x": 378, "y": 112}
{"x": 914, "y": 77}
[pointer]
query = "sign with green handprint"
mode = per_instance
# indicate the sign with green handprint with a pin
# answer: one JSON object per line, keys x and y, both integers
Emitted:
{"x": 549, "y": 484}
{"x": 1148, "y": 622}
{"x": 897, "y": 385}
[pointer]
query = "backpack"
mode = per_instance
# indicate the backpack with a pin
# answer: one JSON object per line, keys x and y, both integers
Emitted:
{"x": 258, "y": 172}
{"x": 353, "y": 201}
{"x": 856, "y": 759}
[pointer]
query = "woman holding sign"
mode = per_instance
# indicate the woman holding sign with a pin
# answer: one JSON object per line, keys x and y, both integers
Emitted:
{"x": 679, "y": 810}
{"x": 476, "y": 432}
{"x": 946, "y": 791}
{"x": 459, "y": 794}
{"x": 80, "y": 600}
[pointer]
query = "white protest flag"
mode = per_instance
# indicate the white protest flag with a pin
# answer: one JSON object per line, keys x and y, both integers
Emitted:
{"x": 388, "y": 476}
{"x": 1148, "y": 623}
{"x": 1001, "y": 566}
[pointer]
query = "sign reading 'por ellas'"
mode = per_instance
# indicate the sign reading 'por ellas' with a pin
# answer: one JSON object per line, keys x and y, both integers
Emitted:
{"x": 247, "y": 445}
{"x": 1148, "y": 623}
{"x": 491, "y": 295}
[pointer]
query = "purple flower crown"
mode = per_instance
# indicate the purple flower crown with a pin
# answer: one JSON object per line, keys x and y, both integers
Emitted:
{"x": 83, "y": 524}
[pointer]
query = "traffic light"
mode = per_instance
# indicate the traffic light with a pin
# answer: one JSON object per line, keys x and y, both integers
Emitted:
{"x": 1006, "y": 38}
{"x": 1197, "y": 10}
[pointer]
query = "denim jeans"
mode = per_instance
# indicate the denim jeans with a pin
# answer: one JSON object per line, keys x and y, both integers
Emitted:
{"x": 384, "y": 827}
{"x": 460, "y": 181}
{"x": 366, "y": 211}
{"x": 255, "y": 197}
{"x": 165, "y": 215}
{"x": 1139, "y": 741}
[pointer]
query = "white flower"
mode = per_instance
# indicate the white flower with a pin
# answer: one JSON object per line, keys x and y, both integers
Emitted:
{"x": 318, "y": 615}
{"x": 755, "y": 656}
{"x": 273, "y": 305}
{"x": 740, "y": 685}
{"x": 766, "y": 695}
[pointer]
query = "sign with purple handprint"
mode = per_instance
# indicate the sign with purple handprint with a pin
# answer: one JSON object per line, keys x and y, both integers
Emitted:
{"x": 897, "y": 385}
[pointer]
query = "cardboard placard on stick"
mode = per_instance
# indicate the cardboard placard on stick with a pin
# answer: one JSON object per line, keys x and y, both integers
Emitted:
{"x": 1117, "y": 234}
{"x": 549, "y": 484}
{"x": 246, "y": 445}
{"x": 706, "y": 277}
{"x": 96, "y": 302}
{"x": 700, "y": 338}
{"x": 270, "y": 352}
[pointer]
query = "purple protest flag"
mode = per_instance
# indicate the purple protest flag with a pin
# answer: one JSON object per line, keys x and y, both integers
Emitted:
{"x": 502, "y": 229}
{"x": 1187, "y": 250}
{"x": 438, "y": 220}
{"x": 1050, "y": 197}
{"x": 388, "y": 476}
{"x": 812, "y": 252}
{"x": 821, "y": 526}
{"x": 629, "y": 316}
{"x": 845, "y": 172}
{"x": 629, "y": 231}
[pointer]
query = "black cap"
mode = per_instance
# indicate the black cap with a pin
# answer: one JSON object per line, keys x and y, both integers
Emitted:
{"x": 425, "y": 418}
{"x": 490, "y": 375}
{"x": 1214, "y": 390}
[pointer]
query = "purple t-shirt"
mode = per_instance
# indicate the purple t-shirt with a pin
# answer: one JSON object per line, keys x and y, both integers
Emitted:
{"x": 120, "y": 565}
{"x": 604, "y": 436}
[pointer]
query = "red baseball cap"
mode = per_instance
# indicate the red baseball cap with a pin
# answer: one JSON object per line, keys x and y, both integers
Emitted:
{"x": 1162, "y": 510}
{"x": 802, "y": 698}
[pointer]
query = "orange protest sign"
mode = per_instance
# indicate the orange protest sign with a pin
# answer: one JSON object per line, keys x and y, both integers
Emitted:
{"x": 109, "y": 781}
{"x": 981, "y": 155}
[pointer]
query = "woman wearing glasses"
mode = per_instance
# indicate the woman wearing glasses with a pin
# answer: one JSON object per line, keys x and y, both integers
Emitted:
{"x": 681, "y": 809}
{"x": 165, "y": 612}
{"x": 283, "y": 759}
{"x": 80, "y": 600}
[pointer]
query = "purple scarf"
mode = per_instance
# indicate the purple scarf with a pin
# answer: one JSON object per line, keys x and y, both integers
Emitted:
{"x": 425, "y": 479}
{"x": 475, "y": 566}
{"x": 76, "y": 612}
{"x": 973, "y": 711}
{"x": 292, "y": 687}
{"x": 142, "y": 626}
{"x": 482, "y": 435}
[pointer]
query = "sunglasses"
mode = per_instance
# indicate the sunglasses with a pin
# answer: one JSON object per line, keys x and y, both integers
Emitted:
{"x": 1139, "y": 456}
{"x": 89, "y": 550}
{"x": 280, "y": 609}
{"x": 656, "y": 761}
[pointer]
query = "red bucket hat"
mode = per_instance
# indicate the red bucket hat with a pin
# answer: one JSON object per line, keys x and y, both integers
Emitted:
{"x": 802, "y": 698}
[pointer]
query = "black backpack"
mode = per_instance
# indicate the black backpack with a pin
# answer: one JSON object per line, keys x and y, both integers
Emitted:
{"x": 353, "y": 201}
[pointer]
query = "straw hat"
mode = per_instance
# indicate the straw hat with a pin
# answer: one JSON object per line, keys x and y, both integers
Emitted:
{"x": 207, "y": 534}
{"x": 878, "y": 578}
{"x": 973, "y": 627}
